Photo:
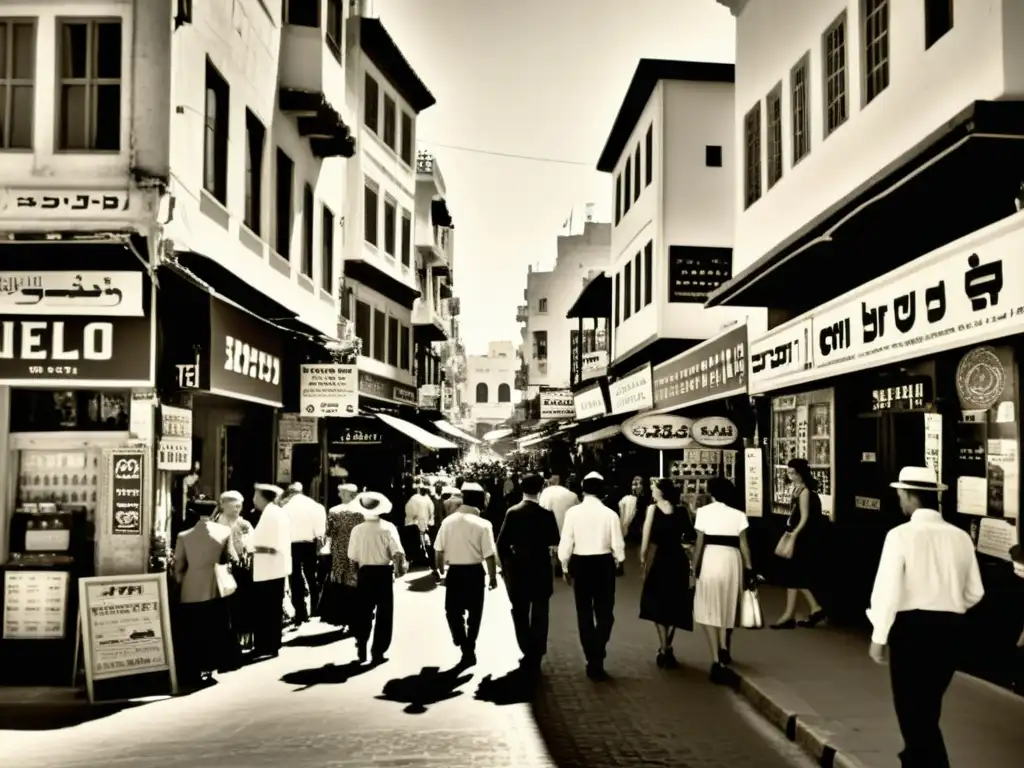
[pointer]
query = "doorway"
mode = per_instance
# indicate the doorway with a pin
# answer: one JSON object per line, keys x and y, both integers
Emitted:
{"x": 245, "y": 456}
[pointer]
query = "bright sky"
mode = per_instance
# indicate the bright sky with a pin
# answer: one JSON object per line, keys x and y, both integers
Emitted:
{"x": 543, "y": 78}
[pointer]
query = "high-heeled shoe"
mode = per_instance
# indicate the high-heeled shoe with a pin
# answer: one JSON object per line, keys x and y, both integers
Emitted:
{"x": 814, "y": 619}
{"x": 788, "y": 624}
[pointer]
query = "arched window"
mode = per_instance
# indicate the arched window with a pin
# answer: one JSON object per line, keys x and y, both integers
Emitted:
{"x": 504, "y": 393}
{"x": 481, "y": 392}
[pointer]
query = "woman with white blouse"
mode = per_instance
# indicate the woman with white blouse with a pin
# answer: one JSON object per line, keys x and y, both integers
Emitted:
{"x": 721, "y": 556}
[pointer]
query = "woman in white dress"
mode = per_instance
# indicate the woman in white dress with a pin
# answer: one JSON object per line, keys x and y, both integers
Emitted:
{"x": 721, "y": 556}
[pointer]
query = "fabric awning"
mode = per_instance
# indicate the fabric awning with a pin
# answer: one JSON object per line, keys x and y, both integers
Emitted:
{"x": 497, "y": 434}
{"x": 455, "y": 432}
{"x": 600, "y": 434}
{"x": 420, "y": 435}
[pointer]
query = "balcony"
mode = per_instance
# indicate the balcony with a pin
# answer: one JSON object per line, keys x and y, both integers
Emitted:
{"x": 428, "y": 172}
{"x": 431, "y": 322}
{"x": 434, "y": 244}
{"x": 522, "y": 313}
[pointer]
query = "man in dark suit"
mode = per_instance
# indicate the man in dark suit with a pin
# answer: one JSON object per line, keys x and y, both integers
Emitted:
{"x": 526, "y": 546}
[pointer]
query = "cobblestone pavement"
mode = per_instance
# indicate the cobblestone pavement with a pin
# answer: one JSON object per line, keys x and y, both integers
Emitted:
{"x": 299, "y": 710}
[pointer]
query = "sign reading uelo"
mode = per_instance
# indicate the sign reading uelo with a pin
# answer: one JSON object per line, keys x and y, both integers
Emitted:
{"x": 662, "y": 432}
{"x": 714, "y": 369}
{"x": 246, "y": 355}
{"x": 589, "y": 403}
{"x": 632, "y": 392}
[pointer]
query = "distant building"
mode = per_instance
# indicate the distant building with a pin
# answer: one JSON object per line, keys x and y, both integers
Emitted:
{"x": 490, "y": 385}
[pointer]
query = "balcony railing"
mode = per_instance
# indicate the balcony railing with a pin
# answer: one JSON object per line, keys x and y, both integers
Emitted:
{"x": 522, "y": 313}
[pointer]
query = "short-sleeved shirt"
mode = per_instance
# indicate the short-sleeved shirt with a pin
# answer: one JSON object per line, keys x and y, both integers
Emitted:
{"x": 465, "y": 538}
{"x": 374, "y": 542}
{"x": 717, "y": 519}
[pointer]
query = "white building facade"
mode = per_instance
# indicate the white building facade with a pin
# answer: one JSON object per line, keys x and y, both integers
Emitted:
{"x": 490, "y": 386}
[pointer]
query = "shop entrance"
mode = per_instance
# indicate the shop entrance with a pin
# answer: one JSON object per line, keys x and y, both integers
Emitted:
{"x": 245, "y": 457}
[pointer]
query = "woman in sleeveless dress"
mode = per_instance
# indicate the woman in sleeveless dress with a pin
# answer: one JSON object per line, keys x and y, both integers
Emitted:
{"x": 666, "y": 598}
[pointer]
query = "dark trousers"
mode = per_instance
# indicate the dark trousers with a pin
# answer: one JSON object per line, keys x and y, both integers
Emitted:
{"x": 267, "y": 615}
{"x": 530, "y": 618}
{"x": 304, "y": 561}
{"x": 464, "y": 604}
{"x": 923, "y": 653}
{"x": 594, "y": 589}
{"x": 376, "y": 608}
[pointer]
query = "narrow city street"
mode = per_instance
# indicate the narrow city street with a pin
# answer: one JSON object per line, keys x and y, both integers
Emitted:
{"x": 309, "y": 708}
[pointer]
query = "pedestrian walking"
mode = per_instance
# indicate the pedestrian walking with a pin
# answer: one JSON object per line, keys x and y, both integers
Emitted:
{"x": 558, "y": 499}
{"x": 590, "y": 550}
{"x": 339, "y": 597}
{"x": 628, "y": 506}
{"x": 307, "y": 524}
{"x": 240, "y": 603}
{"x": 927, "y": 579}
{"x": 376, "y": 548}
{"x": 528, "y": 537}
{"x": 465, "y": 542}
{"x": 272, "y": 565}
{"x": 419, "y": 510}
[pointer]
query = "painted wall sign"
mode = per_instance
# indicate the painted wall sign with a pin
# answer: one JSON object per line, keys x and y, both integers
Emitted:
{"x": 589, "y": 403}
{"x": 372, "y": 385}
{"x": 717, "y": 368}
{"x": 246, "y": 355}
{"x": 557, "y": 404}
{"x": 633, "y": 392}
{"x": 104, "y": 294}
{"x": 715, "y": 432}
{"x": 662, "y": 432}
{"x": 779, "y": 355}
{"x": 694, "y": 272}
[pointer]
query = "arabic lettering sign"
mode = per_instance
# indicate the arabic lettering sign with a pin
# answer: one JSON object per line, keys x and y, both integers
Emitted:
{"x": 557, "y": 404}
{"x": 174, "y": 449}
{"x": 35, "y": 605}
{"x": 372, "y": 385}
{"x": 717, "y": 368}
{"x": 100, "y": 294}
{"x": 246, "y": 355}
{"x": 588, "y": 403}
{"x": 662, "y": 432}
{"x": 126, "y": 494}
{"x": 632, "y": 392}
{"x": 329, "y": 389}
{"x": 715, "y": 432}
{"x": 63, "y": 203}
{"x": 778, "y": 355}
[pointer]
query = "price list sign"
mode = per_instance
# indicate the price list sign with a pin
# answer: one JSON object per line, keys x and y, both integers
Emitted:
{"x": 124, "y": 625}
{"x": 126, "y": 484}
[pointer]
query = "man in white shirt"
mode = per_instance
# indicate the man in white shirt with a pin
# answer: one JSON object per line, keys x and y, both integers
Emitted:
{"x": 465, "y": 542}
{"x": 272, "y": 564}
{"x": 590, "y": 551}
{"x": 558, "y": 499}
{"x": 307, "y": 521}
{"x": 628, "y": 504}
{"x": 376, "y": 548}
{"x": 927, "y": 579}
{"x": 419, "y": 511}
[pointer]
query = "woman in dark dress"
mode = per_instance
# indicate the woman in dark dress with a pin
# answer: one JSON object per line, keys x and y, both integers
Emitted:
{"x": 801, "y": 574}
{"x": 666, "y": 599}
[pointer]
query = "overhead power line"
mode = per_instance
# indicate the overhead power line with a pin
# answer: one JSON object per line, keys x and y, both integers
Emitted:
{"x": 508, "y": 155}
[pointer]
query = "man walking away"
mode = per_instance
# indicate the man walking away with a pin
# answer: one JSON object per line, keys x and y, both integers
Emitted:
{"x": 927, "y": 579}
{"x": 558, "y": 499}
{"x": 272, "y": 564}
{"x": 376, "y": 549}
{"x": 528, "y": 537}
{"x": 308, "y": 524}
{"x": 590, "y": 551}
{"x": 418, "y": 511}
{"x": 465, "y": 542}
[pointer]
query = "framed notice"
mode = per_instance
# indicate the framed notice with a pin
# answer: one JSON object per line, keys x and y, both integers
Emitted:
{"x": 125, "y": 627}
{"x": 753, "y": 482}
{"x": 35, "y": 605}
{"x": 174, "y": 449}
{"x": 126, "y": 493}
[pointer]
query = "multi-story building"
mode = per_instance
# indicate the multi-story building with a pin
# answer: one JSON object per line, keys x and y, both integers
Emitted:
{"x": 547, "y": 332}
{"x": 879, "y": 221}
{"x": 490, "y": 386}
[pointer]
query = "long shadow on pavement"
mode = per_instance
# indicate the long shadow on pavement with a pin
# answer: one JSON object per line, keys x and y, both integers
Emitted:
{"x": 431, "y": 686}
{"x": 317, "y": 640}
{"x": 328, "y": 674}
{"x": 515, "y": 687}
{"x": 425, "y": 583}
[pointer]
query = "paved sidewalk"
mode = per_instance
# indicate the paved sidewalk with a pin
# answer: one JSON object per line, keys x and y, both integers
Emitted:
{"x": 820, "y": 687}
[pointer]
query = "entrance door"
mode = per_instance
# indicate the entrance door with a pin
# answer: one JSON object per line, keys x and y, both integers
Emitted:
{"x": 245, "y": 456}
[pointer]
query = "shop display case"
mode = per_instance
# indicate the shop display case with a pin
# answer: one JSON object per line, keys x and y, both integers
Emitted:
{"x": 803, "y": 427}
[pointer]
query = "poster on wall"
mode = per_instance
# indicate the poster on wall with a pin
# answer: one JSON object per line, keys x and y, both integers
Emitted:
{"x": 35, "y": 605}
{"x": 753, "y": 482}
{"x": 126, "y": 494}
{"x": 1003, "y": 478}
{"x": 292, "y": 430}
{"x": 933, "y": 446}
{"x": 174, "y": 449}
{"x": 996, "y": 537}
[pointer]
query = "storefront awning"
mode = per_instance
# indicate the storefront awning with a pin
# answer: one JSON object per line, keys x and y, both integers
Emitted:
{"x": 604, "y": 433}
{"x": 455, "y": 432}
{"x": 420, "y": 435}
{"x": 595, "y": 300}
{"x": 497, "y": 434}
{"x": 533, "y": 440}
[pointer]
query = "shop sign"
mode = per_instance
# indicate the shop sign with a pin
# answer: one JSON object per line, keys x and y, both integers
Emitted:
{"x": 557, "y": 404}
{"x": 63, "y": 204}
{"x": 356, "y": 436}
{"x": 589, "y": 403}
{"x": 90, "y": 294}
{"x": 715, "y": 432}
{"x": 909, "y": 396}
{"x": 35, "y": 605}
{"x": 632, "y": 392}
{"x": 428, "y": 397}
{"x": 662, "y": 432}
{"x": 715, "y": 369}
{"x": 695, "y": 273}
{"x": 380, "y": 388}
{"x": 329, "y": 390}
{"x": 174, "y": 448}
{"x": 126, "y": 494}
{"x": 246, "y": 355}
{"x": 780, "y": 354}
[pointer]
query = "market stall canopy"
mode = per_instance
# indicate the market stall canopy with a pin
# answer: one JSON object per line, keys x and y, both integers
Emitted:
{"x": 497, "y": 434}
{"x": 533, "y": 440}
{"x": 450, "y": 429}
{"x": 420, "y": 435}
{"x": 603, "y": 433}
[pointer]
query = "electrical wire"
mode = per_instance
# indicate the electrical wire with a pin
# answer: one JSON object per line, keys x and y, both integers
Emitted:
{"x": 507, "y": 155}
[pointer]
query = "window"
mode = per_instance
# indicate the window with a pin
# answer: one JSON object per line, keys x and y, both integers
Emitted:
{"x": 638, "y": 292}
{"x": 308, "y": 230}
{"x": 403, "y": 349}
{"x": 938, "y": 20}
{"x": 363, "y": 329}
{"x": 370, "y": 213}
{"x": 393, "y": 341}
{"x": 327, "y": 250}
{"x": 618, "y": 199}
{"x": 627, "y": 292}
{"x": 615, "y": 300}
{"x": 371, "y": 106}
{"x": 752, "y": 151}
{"x": 255, "y": 137}
{"x": 390, "y": 122}
{"x": 649, "y": 153}
{"x": 801, "y": 117}
{"x": 835, "y": 75}
{"x": 334, "y": 31}
{"x": 283, "y": 204}
{"x": 215, "y": 141}
{"x": 542, "y": 305}
{"x": 390, "y": 224}
{"x": 481, "y": 392}
{"x": 540, "y": 345}
{"x": 648, "y": 273}
{"x": 90, "y": 85}
{"x": 406, "y": 238}
{"x": 773, "y": 107}
{"x": 876, "y": 48}
{"x": 379, "y": 334}
{"x": 303, "y": 13}
{"x": 407, "y": 139}
{"x": 713, "y": 156}
{"x": 637, "y": 169}
{"x": 504, "y": 393}
{"x": 17, "y": 83}
{"x": 627, "y": 178}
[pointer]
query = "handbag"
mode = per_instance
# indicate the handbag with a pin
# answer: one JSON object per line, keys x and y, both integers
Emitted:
{"x": 751, "y": 615}
{"x": 226, "y": 584}
{"x": 786, "y": 546}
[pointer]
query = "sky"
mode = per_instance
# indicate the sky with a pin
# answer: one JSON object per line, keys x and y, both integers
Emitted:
{"x": 540, "y": 78}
